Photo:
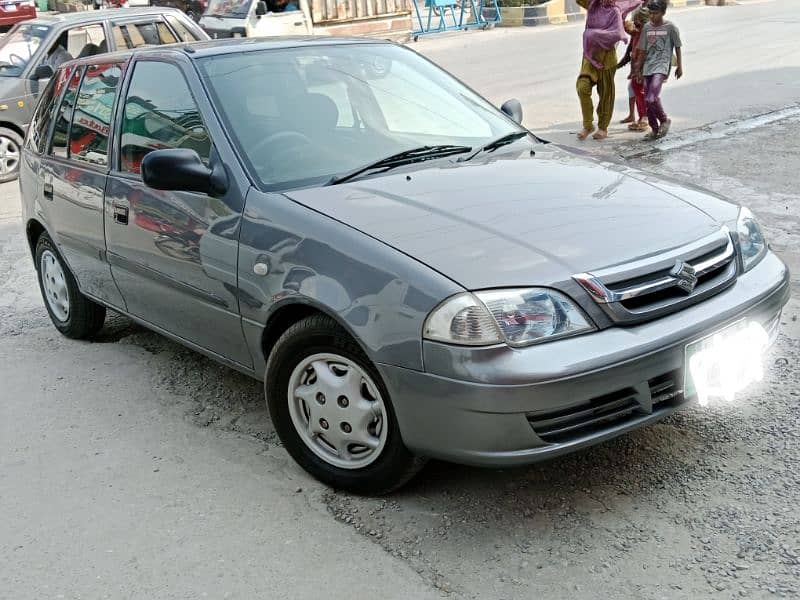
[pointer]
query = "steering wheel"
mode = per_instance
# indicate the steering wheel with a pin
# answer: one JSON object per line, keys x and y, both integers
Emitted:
{"x": 19, "y": 62}
{"x": 288, "y": 138}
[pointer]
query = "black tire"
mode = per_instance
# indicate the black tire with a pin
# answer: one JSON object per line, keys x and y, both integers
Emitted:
{"x": 85, "y": 317}
{"x": 320, "y": 334}
{"x": 9, "y": 140}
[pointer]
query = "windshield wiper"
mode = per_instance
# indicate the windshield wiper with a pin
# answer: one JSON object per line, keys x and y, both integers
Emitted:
{"x": 406, "y": 157}
{"x": 505, "y": 140}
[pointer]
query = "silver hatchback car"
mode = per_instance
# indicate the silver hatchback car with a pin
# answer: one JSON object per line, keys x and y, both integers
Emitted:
{"x": 410, "y": 272}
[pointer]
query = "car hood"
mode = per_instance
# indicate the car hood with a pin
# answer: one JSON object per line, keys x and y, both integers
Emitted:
{"x": 524, "y": 222}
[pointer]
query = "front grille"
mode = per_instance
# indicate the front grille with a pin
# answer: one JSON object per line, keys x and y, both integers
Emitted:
{"x": 607, "y": 411}
{"x": 666, "y": 283}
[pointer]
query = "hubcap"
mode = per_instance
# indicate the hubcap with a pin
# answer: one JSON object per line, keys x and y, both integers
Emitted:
{"x": 55, "y": 285}
{"x": 338, "y": 411}
{"x": 9, "y": 156}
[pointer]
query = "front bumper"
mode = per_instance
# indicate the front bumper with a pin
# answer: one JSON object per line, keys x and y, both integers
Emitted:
{"x": 499, "y": 406}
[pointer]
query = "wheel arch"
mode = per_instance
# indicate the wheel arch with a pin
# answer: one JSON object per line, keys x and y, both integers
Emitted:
{"x": 292, "y": 311}
{"x": 33, "y": 231}
{"x": 13, "y": 127}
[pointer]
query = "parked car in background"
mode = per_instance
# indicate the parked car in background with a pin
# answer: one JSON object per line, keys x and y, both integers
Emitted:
{"x": 32, "y": 50}
{"x": 13, "y": 12}
{"x": 256, "y": 18}
{"x": 410, "y": 271}
{"x": 193, "y": 8}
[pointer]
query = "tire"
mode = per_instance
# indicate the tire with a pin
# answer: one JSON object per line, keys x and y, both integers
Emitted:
{"x": 358, "y": 469}
{"x": 82, "y": 318}
{"x": 10, "y": 154}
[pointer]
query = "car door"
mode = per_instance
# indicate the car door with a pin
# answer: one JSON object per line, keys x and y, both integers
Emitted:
{"x": 73, "y": 175}
{"x": 284, "y": 17}
{"x": 173, "y": 254}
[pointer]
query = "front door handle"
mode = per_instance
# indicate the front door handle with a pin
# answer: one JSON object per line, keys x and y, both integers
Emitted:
{"x": 120, "y": 214}
{"x": 47, "y": 190}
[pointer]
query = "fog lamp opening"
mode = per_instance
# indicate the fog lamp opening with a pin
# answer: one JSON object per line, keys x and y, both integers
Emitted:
{"x": 725, "y": 363}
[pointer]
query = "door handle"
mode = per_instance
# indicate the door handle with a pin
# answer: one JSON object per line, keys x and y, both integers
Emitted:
{"x": 47, "y": 190}
{"x": 120, "y": 214}
{"x": 299, "y": 24}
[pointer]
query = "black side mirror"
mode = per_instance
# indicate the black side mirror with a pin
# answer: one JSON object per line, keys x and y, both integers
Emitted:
{"x": 261, "y": 8}
{"x": 43, "y": 72}
{"x": 181, "y": 170}
{"x": 513, "y": 109}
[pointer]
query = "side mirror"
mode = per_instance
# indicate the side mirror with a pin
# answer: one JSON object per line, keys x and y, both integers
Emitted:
{"x": 513, "y": 109}
{"x": 261, "y": 8}
{"x": 43, "y": 72}
{"x": 181, "y": 170}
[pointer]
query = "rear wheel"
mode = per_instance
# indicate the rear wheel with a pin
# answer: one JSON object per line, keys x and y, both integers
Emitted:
{"x": 10, "y": 145}
{"x": 72, "y": 313}
{"x": 333, "y": 412}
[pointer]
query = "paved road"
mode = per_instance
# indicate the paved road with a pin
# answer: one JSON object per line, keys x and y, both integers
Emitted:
{"x": 738, "y": 61}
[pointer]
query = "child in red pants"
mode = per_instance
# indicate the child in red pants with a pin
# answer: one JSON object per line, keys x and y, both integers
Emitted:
{"x": 635, "y": 88}
{"x": 658, "y": 41}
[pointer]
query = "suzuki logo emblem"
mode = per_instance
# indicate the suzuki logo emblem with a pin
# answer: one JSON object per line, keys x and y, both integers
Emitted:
{"x": 685, "y": 275}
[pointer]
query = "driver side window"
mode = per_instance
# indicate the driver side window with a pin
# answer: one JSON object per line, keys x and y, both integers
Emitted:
{"x": 159, "y": 116}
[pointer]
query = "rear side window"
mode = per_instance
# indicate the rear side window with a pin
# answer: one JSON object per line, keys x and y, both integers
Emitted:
{"x": 160, "y": 113}
{"x": 183, "y": 32}
{"x": 58, "y": 146}
{"x": 88, "y": 137}
{"x": 136, "y": 35}
{"x": 165, "y": 34}
{"x": 40, "y": 123}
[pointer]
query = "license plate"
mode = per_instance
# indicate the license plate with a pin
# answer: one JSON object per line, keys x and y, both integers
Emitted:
{"x": 725, "y": 362}
{"x": 10, "y": 7}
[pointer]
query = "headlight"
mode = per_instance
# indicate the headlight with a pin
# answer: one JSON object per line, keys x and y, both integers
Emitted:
{"x": 518, "y": 317}
{"x": 752, "y": 244}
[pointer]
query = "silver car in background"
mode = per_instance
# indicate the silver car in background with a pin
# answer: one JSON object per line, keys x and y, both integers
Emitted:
{"x": 410, "y": 272}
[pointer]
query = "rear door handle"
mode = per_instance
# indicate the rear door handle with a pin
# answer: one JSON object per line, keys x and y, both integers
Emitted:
{"x": 47, "y": 190}
{"x": 120, "y": 214}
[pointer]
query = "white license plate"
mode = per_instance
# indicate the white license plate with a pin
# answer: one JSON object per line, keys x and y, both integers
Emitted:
{"x": 724, "y": 363}
{"x": 10, "y": 7}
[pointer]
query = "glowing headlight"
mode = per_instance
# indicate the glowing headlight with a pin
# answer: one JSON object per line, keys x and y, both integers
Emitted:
{"x": 518, "y": 317}
{"x": 751, "y": 241}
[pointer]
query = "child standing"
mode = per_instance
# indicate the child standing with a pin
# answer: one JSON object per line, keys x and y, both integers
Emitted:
{"x": 635, "y": 88}
{"x": 658, "y": 41}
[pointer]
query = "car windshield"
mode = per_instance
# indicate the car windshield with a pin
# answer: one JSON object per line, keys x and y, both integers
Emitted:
{"x": 228, "y": 8}
{"x": 17, "y": 48}
{"x": 304, "y": 115}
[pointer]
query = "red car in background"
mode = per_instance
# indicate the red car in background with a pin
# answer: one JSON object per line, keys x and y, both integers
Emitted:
{"x": 12, "y": 13}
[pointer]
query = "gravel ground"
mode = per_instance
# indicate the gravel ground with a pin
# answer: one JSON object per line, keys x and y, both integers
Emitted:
{"x": 702, "y": 504}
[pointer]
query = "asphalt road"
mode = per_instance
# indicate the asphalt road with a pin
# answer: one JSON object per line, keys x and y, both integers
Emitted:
{"x": 738, "y": 61}
{"x": 134, "y": 468}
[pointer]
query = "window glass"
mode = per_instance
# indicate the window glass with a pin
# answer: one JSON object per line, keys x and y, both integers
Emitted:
{"x": 120, "y": 40}
{"x": 58, "y": 147}
{"x": 78, "y": 42}
{"x": 183, "y": 32}
{"x": 88, "y": 138}
{"x": 40, "y": 123}
{"x": 165, "y": 34}
{"x": 18, "y": 46}
{"x": 148, "y": 32}
{"x": 302, "y": 115}
{"x": 160, "y": 116}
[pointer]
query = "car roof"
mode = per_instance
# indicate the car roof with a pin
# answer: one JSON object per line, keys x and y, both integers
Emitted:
{"x": 92, "y": 16}
{"x": 217, "y": 47}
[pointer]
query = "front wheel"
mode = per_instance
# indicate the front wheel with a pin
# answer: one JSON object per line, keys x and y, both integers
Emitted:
{"x": 333, "y": 412}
